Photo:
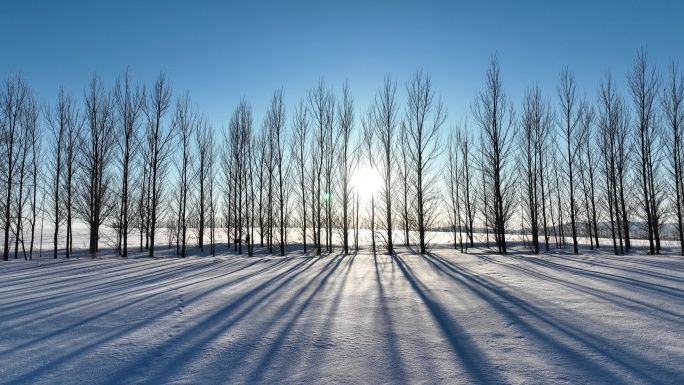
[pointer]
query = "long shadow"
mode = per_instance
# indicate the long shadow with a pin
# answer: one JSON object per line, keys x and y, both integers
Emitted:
{"x": 222, "y": 329}
{"x": 631, "y": 263}
{"x": 102, "y": 288}
{"x": 619, "y": 265}
{"x": 272, "y": 265}
{"x": 106, "y": 288}
{"x": 639, "y": 367}
{"x": 399, "y": 375}
{"x": 337, "y": 299}
{"x": 82, "y": 351}
{"x": 54, "y": 278}
{"x": 463, "y": 347}
{"x": 27, "y": 270}
{"x": 600, "y": 258}
{"x": 103, "y": 279}
{"x": 118, "y": 270}
{"x": 261, "y": 367}
{"x": 193, "y": 338}
{"x": 670, "y": 266}
{"x": 94, "y": 299}
{"x": 331, "y": 314}
{"x": 629, "y": 303}
{"x": 614, "y": 278}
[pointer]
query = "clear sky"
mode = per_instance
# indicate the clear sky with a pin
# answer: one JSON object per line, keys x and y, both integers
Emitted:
{"x": 220, "y": 51}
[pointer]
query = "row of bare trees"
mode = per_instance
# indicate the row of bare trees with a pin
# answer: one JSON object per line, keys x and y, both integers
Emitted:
{"x": 604, "y": 170}
{"x": 21, "y": 147}
{"x": 128, "y": 158}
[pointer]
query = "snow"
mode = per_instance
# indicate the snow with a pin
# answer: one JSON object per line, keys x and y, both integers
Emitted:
{"x": 447, "y": 317}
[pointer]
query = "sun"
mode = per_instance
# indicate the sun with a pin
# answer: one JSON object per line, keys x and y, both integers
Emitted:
{"x": 366, "y": 181}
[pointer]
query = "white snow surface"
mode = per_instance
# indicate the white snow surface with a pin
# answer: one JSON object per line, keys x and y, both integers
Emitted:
{"x": 446, "y": 317}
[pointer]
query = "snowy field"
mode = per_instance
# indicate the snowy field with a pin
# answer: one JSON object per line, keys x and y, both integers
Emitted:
{"x": 446, "y": 317}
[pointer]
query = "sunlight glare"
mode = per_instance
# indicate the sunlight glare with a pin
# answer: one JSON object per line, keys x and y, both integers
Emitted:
{"x": 366, "y": 181}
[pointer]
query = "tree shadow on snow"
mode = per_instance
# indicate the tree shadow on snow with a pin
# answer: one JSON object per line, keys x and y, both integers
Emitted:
{"x": 590, "y": 353}
{"x": 463, "y": 347}
{"x": 169, "y": 358}
{"x": 106, "y": 293}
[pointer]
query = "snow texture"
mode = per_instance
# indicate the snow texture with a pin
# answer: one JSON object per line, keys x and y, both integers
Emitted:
{"x": 446, "y": 317}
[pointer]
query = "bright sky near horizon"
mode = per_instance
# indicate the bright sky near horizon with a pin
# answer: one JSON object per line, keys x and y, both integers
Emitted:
{"x": 220, "y": 51}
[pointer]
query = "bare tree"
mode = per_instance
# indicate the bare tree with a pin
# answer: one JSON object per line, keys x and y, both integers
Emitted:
{"x": 567, "y": 100}
{"x": 613, "y": 124}
{"x": 322, "y": 110}
{"x": 275, "y": 121}
{"x": 424, "y": 118}
{"x": 142, "y": 198}
{"x": 315, "y": 198}
{"x": 95, "y": 202}
{"x": 493, "y": 112}
{"x": 282, "y": 194}
{"x": 484, "y": 189}
{"x": 184, "y": 122}
{"x": 384, "y": 120}
{"x": 622, "y": 124}
{"x": 532, "y": 122}
{"x": 405, "y": 181}
{"x": 159, "y": 142}
{"x": 270, "y": 151}
{"x": 300, "y": 137}
{"x": 369, "y": 154}
{"x": 240, "y": 133}
{"x": 543, "y": 161}
{"x": 672, "y": 104}
{"x": 346, "y": 160}
{"x": 229, "y": 186}
{"x": 58, "y": 120}
{"x": 72, "y": 155}
{"x": 452, "y": 175}
{"x": 203, "y": 143}
{"x": 249, "y": 194}
{"x": 587, "y": 168}
{"x": 466, "y": 177}
{"x": 555, "y": 192}
{"x": 28, "y": 122}
{"x": 130, "y": 101}
{"x": 264, "y": 174}
{"x": 15, "y": 92}
{"x": 265, "y": 170}
{"x": 643, "y": 86}
{"x": 331, "y": 140}
{"x": 34, "y": 134}
{"x": 211, "y": 171}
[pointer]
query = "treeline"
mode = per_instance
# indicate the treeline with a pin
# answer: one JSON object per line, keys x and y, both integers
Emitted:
{"x": 144, "y": 163}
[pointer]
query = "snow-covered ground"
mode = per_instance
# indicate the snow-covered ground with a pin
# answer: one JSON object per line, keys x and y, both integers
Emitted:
{"x": 446, "y": 317}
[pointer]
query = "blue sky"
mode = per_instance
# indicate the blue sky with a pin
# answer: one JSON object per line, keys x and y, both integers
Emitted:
{"x": 220, "y": 51}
